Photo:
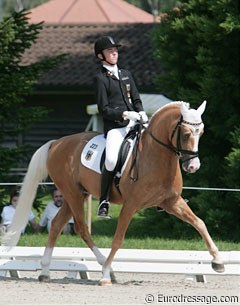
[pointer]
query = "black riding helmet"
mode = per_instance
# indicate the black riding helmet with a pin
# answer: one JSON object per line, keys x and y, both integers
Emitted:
{"x": 103, "y": 43}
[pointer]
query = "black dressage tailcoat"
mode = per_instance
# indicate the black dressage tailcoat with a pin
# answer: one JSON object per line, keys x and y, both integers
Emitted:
{"x": 114, "y": 96}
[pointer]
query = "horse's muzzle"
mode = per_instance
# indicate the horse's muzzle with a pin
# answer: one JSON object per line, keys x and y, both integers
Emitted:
{"x": 191, "y": 165}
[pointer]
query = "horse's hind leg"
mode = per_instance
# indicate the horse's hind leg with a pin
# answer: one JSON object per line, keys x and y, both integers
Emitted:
{"x": 181, "y": 210}
{"x": 81, "y": 229}
{"x": 58, "y": 223}
{"x": 75, "y": 198}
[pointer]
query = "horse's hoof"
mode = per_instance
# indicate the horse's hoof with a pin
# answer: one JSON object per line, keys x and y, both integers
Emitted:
{"x": 218, "y": 267}
{"x": 44, "y": 278}
{"x": 105, "y": 282}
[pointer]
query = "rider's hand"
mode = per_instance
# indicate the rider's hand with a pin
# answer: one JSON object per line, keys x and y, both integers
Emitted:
{"x": 131, "y": 115}
{"x": 144, "y": 116}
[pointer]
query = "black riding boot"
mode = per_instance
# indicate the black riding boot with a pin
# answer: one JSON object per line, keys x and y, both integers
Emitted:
{"x": 106, "y": 183}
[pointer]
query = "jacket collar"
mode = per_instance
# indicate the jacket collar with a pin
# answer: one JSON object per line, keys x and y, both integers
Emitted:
{"x": 109, "y": 73}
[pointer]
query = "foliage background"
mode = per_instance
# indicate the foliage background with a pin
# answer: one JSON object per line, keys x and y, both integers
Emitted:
{"x": 198, "y": 45}
{"x": 16, "y": 83}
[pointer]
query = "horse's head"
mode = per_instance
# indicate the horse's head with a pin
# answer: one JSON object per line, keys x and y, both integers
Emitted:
{"x": 186, "y": 136}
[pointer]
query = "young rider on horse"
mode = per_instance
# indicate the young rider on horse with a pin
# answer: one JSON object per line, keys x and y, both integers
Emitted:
{"x": 119, "y": 104}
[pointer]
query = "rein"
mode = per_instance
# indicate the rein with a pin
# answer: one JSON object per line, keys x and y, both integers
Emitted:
{"x": 173, "y": 149}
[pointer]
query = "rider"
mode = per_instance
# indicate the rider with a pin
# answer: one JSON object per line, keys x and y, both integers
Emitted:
{"x": 119, "y": 104}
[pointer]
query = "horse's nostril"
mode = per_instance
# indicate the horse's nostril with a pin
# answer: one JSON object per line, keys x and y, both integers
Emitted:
{"x": 192, "y": 169}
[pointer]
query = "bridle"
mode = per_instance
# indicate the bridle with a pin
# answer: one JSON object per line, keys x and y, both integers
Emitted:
{"x": 182, "y": 153}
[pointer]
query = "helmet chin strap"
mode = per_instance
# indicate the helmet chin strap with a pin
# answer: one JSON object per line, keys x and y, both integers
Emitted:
{"x": 109, "y": 63}
{"x": 104, "y": 59}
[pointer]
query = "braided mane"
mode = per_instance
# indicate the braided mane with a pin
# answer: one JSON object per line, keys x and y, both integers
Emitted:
{"x": 171, "y": 104}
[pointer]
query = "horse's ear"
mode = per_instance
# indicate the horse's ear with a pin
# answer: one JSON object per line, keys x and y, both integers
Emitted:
{"x": 202, "y": 107}
{"x": 184, "y": 108}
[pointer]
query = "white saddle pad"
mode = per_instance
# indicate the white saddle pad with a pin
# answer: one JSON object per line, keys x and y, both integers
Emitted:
{"x": 93, "y": 150}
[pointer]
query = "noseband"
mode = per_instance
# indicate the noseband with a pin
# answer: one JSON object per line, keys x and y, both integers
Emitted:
{"x": 177, "y": 150}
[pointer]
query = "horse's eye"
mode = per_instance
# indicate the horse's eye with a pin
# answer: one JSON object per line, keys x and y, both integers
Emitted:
{"x": 186, "y": 136}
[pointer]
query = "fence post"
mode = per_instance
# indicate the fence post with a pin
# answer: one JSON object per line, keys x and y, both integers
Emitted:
{"x": 89, "y": 216}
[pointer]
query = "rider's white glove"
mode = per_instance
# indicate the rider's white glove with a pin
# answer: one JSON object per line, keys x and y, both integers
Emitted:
{"x": 144, "y": 116}
{"x": 131, "y": 115}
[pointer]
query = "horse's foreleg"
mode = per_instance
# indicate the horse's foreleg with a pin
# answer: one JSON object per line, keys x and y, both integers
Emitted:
{"x": 123, "y": 222}
{"x": 181, "y": 210}
{"x": 58, "y": 223}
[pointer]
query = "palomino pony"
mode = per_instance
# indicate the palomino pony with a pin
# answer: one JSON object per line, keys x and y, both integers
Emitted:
{"x": 173, "y": 132}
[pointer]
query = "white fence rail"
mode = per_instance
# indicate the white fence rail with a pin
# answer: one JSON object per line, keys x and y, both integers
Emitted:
{"x": 82, "y": 261}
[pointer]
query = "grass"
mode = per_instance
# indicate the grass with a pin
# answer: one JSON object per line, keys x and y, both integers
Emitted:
{"x": 137, "y": 236}
{"x": 103, "y": 241}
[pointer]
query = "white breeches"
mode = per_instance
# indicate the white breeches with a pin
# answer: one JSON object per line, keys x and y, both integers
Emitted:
{"x": 113, "y": 143}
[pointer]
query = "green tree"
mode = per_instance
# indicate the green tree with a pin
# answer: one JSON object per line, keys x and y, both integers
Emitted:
{"x": 198, "y": 46}
{"x": 231, "y": 178}
{"x": 10, "y": 6}
{"x": 16, "y": 83}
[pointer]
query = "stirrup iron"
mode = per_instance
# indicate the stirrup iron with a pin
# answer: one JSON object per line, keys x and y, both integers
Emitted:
{"x": 104, "y": 212}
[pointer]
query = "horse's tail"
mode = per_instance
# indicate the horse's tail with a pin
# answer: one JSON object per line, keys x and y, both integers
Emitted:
{"x": 37, "y": 172}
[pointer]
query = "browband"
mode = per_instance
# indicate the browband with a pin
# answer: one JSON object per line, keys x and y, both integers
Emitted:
{"x": 189, "y": 123}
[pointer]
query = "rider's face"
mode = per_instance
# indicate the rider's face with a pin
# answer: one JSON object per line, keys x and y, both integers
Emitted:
{"x": 111, "y": 55}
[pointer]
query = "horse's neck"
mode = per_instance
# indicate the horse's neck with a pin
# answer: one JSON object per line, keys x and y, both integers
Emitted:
{"x": 161, "y": 127}
{"x": 156, "y": 155}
